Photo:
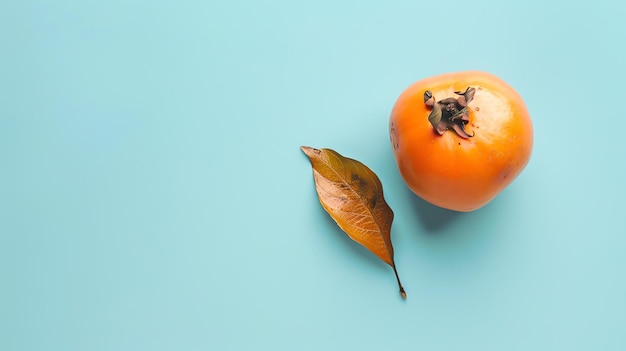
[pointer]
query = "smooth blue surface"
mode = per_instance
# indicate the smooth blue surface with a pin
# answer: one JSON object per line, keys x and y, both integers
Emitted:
{"x": 153, "y": 195}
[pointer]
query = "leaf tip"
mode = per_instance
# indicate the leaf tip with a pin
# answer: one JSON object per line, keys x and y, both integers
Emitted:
{"x": 309, "y": 151}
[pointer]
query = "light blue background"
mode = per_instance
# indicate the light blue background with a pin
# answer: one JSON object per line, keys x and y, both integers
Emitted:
{"x": 153, "y": 195}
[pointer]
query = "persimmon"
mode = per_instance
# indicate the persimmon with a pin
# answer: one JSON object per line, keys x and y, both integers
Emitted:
{"x": 460, "y": 138}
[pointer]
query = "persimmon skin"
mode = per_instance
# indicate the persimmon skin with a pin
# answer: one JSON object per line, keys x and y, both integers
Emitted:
{"x": 450, "y": 171}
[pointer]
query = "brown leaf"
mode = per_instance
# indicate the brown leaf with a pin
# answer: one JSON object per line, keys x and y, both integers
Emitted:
{"x": 353, "y": 196}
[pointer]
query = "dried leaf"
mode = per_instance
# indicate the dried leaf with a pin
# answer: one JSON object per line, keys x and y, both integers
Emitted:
{"x": 353, "y": 196}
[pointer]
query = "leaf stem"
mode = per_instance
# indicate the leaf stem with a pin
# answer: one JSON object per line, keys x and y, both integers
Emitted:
{"x": 402, "y": 292}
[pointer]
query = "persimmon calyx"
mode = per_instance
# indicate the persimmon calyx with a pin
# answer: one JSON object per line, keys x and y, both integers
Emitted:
{"x": 450, "y": 113}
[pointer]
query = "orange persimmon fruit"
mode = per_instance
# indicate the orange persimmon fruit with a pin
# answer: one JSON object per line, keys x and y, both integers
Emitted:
{"x": 460, "y": 138}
